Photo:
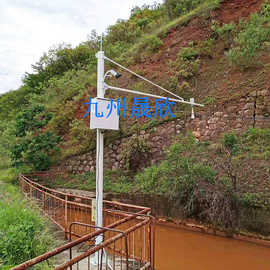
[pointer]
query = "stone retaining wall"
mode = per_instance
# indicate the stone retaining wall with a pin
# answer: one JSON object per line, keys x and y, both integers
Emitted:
{"x": 238, "y": 118}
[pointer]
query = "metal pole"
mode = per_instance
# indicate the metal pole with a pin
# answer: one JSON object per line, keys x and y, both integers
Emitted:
{"x": 192, "y": 108}
{"x": 99, "y": 155}
{"x": 151, "y": 95}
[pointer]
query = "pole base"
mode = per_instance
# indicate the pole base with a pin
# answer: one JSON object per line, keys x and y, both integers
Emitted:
{"x": 94, "y": 260}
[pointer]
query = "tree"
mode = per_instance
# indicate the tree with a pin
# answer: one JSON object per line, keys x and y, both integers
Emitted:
{"x": 34, "y": 145}
{"x": 59, "y": 60}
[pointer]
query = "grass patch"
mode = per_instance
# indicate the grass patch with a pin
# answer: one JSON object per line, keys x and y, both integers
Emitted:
{"x": 162, "y": 31}
{"x": 24, "y": 233}
{"x": 113, "y": 180}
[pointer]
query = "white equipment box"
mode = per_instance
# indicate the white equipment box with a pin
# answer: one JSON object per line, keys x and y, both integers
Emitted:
{"x": 103, "y": 108}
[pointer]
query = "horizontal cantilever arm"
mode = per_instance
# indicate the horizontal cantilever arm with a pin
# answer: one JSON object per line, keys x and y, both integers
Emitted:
{"x": 151, "y": 95}
{"x": 141, "y": 77}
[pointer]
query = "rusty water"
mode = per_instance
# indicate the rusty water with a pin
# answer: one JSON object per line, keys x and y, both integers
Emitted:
{"x": 178, "y": 249}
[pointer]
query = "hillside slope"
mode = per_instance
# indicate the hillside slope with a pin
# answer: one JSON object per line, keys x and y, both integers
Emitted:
{"x": 214, "y": 51}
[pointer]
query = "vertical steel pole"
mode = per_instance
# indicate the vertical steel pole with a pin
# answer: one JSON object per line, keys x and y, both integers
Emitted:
{"x": 192, "y": 108}
{"x": 99, "y": 154}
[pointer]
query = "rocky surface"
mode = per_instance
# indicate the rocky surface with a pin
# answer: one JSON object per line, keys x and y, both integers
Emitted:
{"x": 206, "y": 126}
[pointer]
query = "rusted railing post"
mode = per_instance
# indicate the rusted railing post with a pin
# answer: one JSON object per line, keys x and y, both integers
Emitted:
{"x": 149, "y": 242}
{"x": 66, "y": 216}
{"x": 43, "y": 199}
{"x": 52, "y": 203}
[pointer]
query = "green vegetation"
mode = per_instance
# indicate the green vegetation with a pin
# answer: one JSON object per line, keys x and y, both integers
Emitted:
{"x": 209, "y": 100}
{"x": 216, "y": 185}
{"x": 206, "y": 47}
{"x": 24, "y": 233}
{"x": 207, "y": 179}
{"x": 41, "y": 122}
{"x": 113, "y": 180}
{"x": 131, "y": 50}
{"x": 10, "y": 175}
{"x": 33, "y": 146}
{"x": 224, "y": 32}
{"x": 47, "y": 103}
{"x": 136, "y": 154}
{"x": 230, "y": 140}
{"x": 224, "y": 29}
{"x": 251, "y": 38}
{"x": 152, "y": 123}
{"x": 151, "y": 43}
{"x": 246, "y": 41}
{"x": 188, "y": 53}
{"x": 187, "y": 68}
{"x": 176, "y": 8}
{"x": 191, "y": 53}
{"x": 183, "y": 177}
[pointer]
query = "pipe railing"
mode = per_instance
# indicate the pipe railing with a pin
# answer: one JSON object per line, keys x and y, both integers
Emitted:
{"x": 66, "y": 209}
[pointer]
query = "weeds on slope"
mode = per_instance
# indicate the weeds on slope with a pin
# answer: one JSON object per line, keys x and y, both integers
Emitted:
{"x": 24, "y": 233}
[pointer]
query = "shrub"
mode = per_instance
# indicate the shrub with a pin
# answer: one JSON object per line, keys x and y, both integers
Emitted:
{"x": 225, "y": 28}
{"x": 188, "y": 53}
{"x": 9, "y": 175}
{"x": 68, "y": 86}
{"x": 63, "y": 115}
{"x": 115, "y": 49}
{"x": 209, "y": 100}
{"x": 250, "y": 39}
{"x": 242, "y": 59}
{"x": 184, "y": 87}
{"x": 250, "y": 199}
{"x": 259, "y": 199}
{"x": 206, "y": 47}
{"x": 7, "y": 140}
{"x": 257, "y": 141}
{"x": 136, "y": 154}
{"x": 81, "y": 140}
{"x": 41, "y": 161}
{"x": 187, "y": 68}
{"x": 225, "y": 33}
{"x": 184, "y": 90}
{"x": 33, "y": 146}
{"x": 152, "y": 123}
{"x": 185, "y": 178}
{"x": 60, "y": 59}
{"x": 176, "y": 8}
{"x": 147, "y": 12}
{"x": 143, "y": 22}
{"x": 177, "y": 175}
{"x": 191, "y": 53}
{"x": 205, "y": 173}
{"x": 230, "y": 140}
{"x": 221, "y": 206}
{"x": 126, "y": 31}
{"x": 171, "y": 83}
{"x": 152, "y": 43}
{"x": 31, "y": 120}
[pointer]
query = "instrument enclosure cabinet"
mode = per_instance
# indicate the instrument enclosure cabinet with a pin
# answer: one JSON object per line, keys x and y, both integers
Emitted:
{"x": 103, "y": 106}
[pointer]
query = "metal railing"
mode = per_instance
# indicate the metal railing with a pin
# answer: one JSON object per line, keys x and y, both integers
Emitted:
{"x": 128, "y": 232}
